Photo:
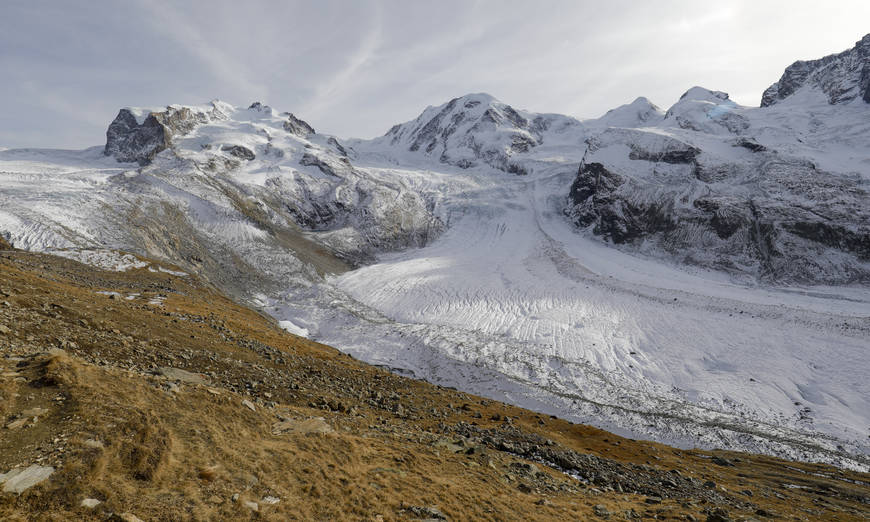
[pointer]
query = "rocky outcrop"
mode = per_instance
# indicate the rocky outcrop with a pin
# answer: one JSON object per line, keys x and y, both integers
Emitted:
{"x": 138, "y": 135}
{"x": 130, "y": 141}
{"x": 595, "y": 199}
{"x": 239, "y": 151}
{"x": 785, "y": 222}
{"x": 297, "y": 126}
{"x": 841, "y": 77}
{"x": 328, "y": 165}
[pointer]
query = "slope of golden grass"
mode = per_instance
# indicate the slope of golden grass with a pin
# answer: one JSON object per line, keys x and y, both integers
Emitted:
{"x": 163, "y": 399}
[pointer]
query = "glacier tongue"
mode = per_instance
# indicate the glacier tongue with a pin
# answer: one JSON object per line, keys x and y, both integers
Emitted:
{"x": 512, "y": 302}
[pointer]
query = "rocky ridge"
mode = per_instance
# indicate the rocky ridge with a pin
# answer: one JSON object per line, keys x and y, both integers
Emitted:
{"x": 752, "y": 192}
{"x": 841, "y": 77}
{"x": 272, "y": 172}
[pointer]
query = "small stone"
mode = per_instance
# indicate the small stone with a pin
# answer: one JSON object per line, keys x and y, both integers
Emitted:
{"x": 235, "y": 497}
{"x": 253, "y": 506}
{"x": 17, "y": 423}
{"x": 427, "y": 512}
{"x": 601, "y": 511}
{"x": 718, "y": 515}
{"x": 248, "y": 404}
{"x": 93, "y": 443}
{"x": 451, "y": 446}
{"x": 125, "y": 517}
{"x": 312, "y": 425}
{"x": 90, "y": 503}
{"x": 177, "y": 374}
{"x": 271, "y": 500}
{"x": 214, "y": 499}
{"x": 653, "y": 500}
{"x": 721, "y": 461}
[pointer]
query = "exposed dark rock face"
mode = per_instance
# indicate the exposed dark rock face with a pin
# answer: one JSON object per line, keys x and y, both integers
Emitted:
{"x": 683, "y": 156}
{"x": 749, "y": 144}
{"x": 337, "y": 146}
{"x": 329, "y": 166}
{"x": 297, "y": 126}
{"x": 128, "y": 140}
{"x": 792, "y": 223}
{"x": 841, "y": 77}
{"x": 595, "y": 200}
{"x": 833, "y": 235}
{"x": 239, "y": 151}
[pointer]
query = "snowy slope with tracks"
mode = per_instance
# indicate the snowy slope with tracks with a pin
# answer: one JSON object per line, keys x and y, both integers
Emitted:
{"x": 685, "y": 356}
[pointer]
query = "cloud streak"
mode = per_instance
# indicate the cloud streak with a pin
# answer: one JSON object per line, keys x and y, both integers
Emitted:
{"x": 357, "y": 68}
{"x": 341, "y": 81}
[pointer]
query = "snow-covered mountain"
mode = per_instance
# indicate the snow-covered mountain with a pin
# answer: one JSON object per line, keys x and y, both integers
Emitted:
{"x": 231, "y": 175}
{"x": 761, "y": 193}
{"x": 477, "y": 129}
{"x": 700, "y": 275}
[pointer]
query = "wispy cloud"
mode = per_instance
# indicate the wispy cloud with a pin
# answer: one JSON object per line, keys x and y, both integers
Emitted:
{"x": 231, "y": 72}
{"x": 357, "y": 68}
{"x": 341, "y": 81}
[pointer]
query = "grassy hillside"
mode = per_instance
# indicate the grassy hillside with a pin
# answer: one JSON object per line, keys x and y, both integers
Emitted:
{"x": 164, "y": 400}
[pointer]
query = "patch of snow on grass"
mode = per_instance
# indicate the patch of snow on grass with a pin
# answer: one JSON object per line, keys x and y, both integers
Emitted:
{"x": 292, "y": 328}
{"x": 102, "y": 259}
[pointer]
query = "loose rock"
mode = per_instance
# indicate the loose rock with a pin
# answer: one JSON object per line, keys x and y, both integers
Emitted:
{"x": 90, "y": 503}
{"x": 18, "y": 480}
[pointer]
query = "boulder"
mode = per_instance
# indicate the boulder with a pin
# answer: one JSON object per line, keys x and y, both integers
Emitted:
{"x": 21, "y": 479}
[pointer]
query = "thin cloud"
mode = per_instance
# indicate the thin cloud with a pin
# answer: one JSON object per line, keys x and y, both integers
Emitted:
{"x": 341, "y": 82}
{"x": 354, "y": 69}
{"x": 227, "y": 68}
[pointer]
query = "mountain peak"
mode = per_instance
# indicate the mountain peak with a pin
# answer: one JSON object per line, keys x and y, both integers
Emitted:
{"x": 638, "y": 113}
{"x": 708, "y": 111}
{"x": 139, "y": 134}
{"x": 840, "y": 78}
{"x": 701, "y": 94}
{"x": 473, "y": 129}
{"x": 479, "y": 97}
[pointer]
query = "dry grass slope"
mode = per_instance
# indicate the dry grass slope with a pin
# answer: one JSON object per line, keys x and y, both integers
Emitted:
{"x": 171, "y": 402}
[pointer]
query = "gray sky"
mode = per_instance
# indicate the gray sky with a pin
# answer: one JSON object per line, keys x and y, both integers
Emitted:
{"x": 355, "y": 68}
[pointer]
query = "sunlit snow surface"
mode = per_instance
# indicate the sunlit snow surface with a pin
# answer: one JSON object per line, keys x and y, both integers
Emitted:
{"x": 580, "y": 329}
